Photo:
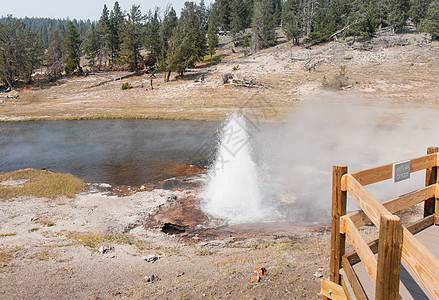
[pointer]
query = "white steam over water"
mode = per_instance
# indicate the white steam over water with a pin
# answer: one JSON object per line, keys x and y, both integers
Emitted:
{"x": 283, "y": 171}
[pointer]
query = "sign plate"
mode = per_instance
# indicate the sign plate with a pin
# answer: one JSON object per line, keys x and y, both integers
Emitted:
{"x": 401, "y": 171}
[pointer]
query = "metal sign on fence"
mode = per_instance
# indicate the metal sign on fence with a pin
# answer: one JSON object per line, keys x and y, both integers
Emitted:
{"x": 401, "y": 171}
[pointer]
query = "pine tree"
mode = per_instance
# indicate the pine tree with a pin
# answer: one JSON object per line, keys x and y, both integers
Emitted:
{"x": 132, "y": 37}
{"x": 418, "y": 10}
{"x": 364, "y": 18}
{"x": 92, "y": 46}
{"x": 277, "y": 8}
{"x": 152, "y": 42}
{"x": 55, "y": 62}
{"x": 203, "y": 14}
{"x": 105, "y": 32}
{"x": 188, "y": 43}
{"x": 324, "y": 23}
{"x": 264, "y": 24}
{"x": 431, "y": 22}
{"x": 238, "y": 15}
{"x": 292, "y": 20}
{"x": 116, "y": 21}
{"x": 169, "y": 23}
{"x": 35, "y": 54}
{"x": 221, "y": 14}
{"x": 212, "y": 38}
{"x": 72, "y": 49}
{"x": 21, "y": 51}
{"x": 397, "y": 13}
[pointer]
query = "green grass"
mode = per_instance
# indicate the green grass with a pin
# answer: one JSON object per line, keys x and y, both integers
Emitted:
{"x": 46, "y": 223}
{"x": 5, "y": 256}
{"x": 205, "y": 252}
{"x": 40, "y": 183}
{"x": 95, "y": 240}
{"x": 44, "y": 255}
{"x": 8, "y": 234}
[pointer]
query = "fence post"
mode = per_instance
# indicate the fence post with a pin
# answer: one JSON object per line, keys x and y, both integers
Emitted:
{"x": 430, "y": 178}
{"x": 389, "y": 258}
{"x": 338, "y": 210}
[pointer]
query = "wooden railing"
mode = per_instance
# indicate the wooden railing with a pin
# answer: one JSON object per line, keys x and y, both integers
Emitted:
{"x": 395, "y": 241}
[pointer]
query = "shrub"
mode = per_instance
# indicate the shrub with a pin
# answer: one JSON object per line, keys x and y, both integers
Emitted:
{"x": 339, "y": 81}
{"x": 247, "y": 41}
{"x": 126, "y": 86}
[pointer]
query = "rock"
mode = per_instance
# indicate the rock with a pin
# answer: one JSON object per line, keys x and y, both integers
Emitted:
{"x": 105, "y": 249}
{"x": 171, "y": 198}
{"x": 151, "y": 278}
{"x": 179, "y": 274}
{"x": 150, "y": 258}
{"x": 318, "y": 273}
{"x": 227, "y": 77}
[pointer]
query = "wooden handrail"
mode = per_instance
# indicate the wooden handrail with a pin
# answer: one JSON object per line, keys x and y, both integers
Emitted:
{"x": 418, "y": 257}
{"x": 420, "y": 260}
{"x": 393, "y": 205}
{"x": 366, "y": 255}
{"x": 414, "y": 227}
{"x": 384, "y": 172}
{"x": 365, "y": 200}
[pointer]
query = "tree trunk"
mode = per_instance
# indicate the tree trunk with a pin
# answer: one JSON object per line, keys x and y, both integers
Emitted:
{"x": 9, "y": 82}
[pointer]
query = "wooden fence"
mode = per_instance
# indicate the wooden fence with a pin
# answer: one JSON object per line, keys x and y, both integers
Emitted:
{"x": 395, "y": 241}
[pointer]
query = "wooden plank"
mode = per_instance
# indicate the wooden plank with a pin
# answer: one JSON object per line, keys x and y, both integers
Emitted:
{"x": 430, "y": 178}
{"x": 353, "y": 256}
{"x": 423, "y": 264}
{"x": 365, "y": 200}
{"x": 384, "y": 172}
{"x": 421, "y": 224}
{"x": 363, "y": 250}
{"x": 393, "y": 205}
{"x": 353, "y": 279}
{"x": 332, "y": 290}
{"x": 436, "y": 220}
{"x": 414, "y": 227}
{"x": 389, "y": 258}
{"x": 437, "y": 201}
{"x": 345, "y": 288}
{"x": 338, "y": 209}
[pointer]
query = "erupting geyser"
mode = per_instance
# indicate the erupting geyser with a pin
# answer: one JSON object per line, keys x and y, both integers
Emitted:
{"x": 234, "y": 189}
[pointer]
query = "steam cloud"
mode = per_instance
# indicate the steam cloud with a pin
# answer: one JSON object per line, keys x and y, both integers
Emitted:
{"x": 324, "y": 131}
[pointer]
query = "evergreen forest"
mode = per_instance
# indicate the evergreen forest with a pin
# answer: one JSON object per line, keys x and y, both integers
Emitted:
{"x": 166, "y": 41}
